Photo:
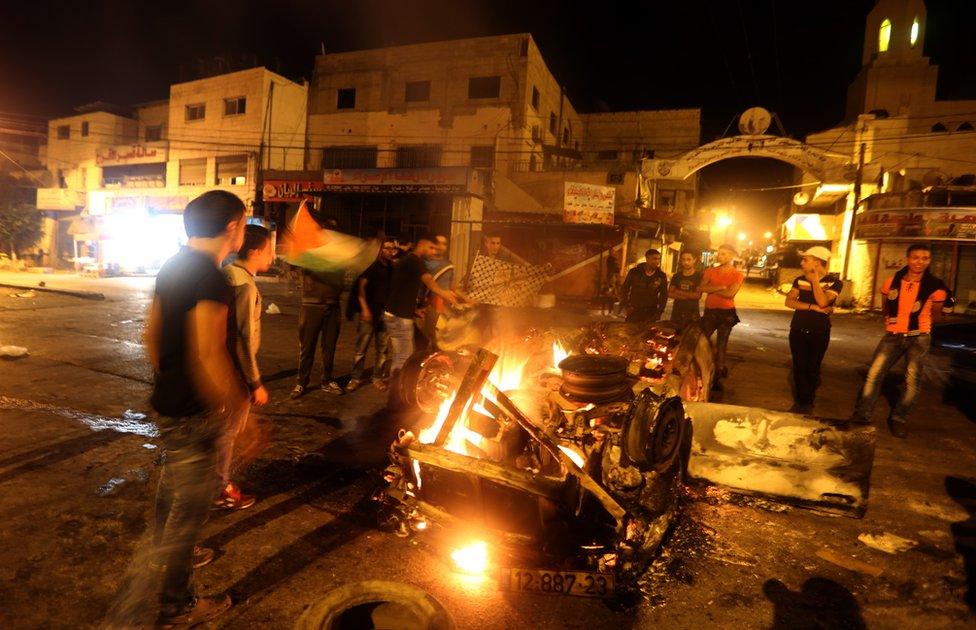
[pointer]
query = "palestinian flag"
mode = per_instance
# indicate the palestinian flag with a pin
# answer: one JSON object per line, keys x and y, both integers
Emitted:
{"x": 312, "y": 247}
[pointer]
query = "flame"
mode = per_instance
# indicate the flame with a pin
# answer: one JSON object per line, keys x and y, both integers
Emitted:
{"x": 416, "y": 470}
{"x": 428, "y": 435}
{"x": 573, "y": 455}
{"x": 472, "y": 558}
{"x": 508, "y": 372}
{"x": 558, "y": 354}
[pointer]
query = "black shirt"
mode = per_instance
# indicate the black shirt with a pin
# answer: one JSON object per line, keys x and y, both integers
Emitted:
{"x": 685, "y": 310}
{"x": 645, "y": 293}
{"x": 405, "y": 286}
{"x": 377, "y": 276}
{"x": 812, "y": 320}
{"x": 186, "y": 279}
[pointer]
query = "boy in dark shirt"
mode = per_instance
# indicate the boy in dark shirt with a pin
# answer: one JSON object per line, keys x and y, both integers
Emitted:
{"x": 812, "y": 298}
{"x": 369, "y": 300}
{"x": 644, "y": 293}
{"x": 684, "y": 291}
{"x": 197, "y": 387}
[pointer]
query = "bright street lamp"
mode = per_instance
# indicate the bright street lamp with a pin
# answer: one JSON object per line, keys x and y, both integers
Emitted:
{"x": 767, "y": 235}
{"x": 742, "y": 236}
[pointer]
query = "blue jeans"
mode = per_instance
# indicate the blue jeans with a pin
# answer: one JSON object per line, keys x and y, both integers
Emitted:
{"x": 183, "y": 500}
{"x": 400, "y": 331}
{"x": 365, "y": 333}
{"x": 891, "y": 348}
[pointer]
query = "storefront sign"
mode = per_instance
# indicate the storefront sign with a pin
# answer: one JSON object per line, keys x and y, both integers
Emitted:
{"x": 588, "y": 203}
{"x": 290, "y": 189}
{"x": 130, "y": 154}
{"x": 161, "y": 203}
{"x": 451, "y": 180}
{"x": 60, "y": 199}
{"x": 926, "y": 223}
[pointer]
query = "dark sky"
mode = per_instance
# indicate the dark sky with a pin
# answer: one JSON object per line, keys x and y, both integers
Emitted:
{"x": 795, "y": 58}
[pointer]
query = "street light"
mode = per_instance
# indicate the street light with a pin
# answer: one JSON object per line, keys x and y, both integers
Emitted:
{"x": 722, "y": 220}
{"x": 767, "y": 235}
{"x": 742, "y": 236}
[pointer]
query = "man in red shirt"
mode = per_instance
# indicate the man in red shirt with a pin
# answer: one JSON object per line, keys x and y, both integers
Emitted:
{"x": 914, "y": 298}
{"x": 721, "y": 283}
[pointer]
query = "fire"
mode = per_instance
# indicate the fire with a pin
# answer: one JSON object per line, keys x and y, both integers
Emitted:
{"x": 558, "y": 353}
{"x": 472, "y": 558}
{"x": 508, "y": 372}
{"x": 428, "y": 435}
{"x": 573, "y": 455}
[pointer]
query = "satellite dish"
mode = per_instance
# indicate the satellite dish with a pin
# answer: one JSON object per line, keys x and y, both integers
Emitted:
{"x": 801, "y": 198}
{"x": 754, "y": 121}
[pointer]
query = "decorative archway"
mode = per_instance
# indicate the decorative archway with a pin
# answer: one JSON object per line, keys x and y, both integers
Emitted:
{"x": 827, "y": 166}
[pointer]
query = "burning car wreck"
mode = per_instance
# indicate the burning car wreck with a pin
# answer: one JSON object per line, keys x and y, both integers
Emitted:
{"x": 556, "y": 463}
{"x": 563, "y": 459}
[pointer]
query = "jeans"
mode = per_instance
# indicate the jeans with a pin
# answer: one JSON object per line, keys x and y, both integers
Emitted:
{"x": 808, "y": 348}
{"x": 366, "y": 332}
{"x": 313, "y": 320}
{"x": 891, "y": 348}
{"x": 183, "y": 500}
{"x": 400, "y": 331}
{"x": 225, "y": 444}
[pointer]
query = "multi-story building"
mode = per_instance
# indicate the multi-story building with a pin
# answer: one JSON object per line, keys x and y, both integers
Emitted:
{"x": 918, "y": 164}
{"x": 471, "y": 135}
{"x": 123, "y": 175}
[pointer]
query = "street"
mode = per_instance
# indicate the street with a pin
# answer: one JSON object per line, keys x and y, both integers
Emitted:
{"x": 78, "y": 470}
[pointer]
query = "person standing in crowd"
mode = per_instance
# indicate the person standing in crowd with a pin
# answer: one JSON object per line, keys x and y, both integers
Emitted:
{"x": 410, "y": 275}
{"x": 684, "y": 290}
{"x": 369, "y": 300}
{"x": 197, "y": 387}
{"x": 319, "y": 316}
{"x": 442, "y": 270}
{"x": 721, "y": 283}
{"x": 812, "y": 298}
{"x": 644, "y": 293}
{"x": 493, "y": 248}
{"x": 254, "y": 257}
{"x": 913, "y": 299}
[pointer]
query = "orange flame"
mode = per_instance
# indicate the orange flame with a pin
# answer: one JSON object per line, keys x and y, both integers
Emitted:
{"x": 558, "y": 354}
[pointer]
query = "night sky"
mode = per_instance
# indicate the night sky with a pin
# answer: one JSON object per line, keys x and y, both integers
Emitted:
{"x": 794, "y": 58}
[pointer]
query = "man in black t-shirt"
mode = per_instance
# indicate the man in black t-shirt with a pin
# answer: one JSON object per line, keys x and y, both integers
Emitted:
{"x": 410, "y": 274}
{"x": 197, "y": 387}
{"x": 369, "y": 300}
{"x": 644, "y": 293}
{"x": 684, "y": 291}
{"x": 812, "y": 298}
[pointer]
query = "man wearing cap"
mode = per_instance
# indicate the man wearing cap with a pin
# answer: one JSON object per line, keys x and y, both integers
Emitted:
{"x": 812, "y": 298}
{"x": 721, "y": 283}
{"x": 914, "y": 298}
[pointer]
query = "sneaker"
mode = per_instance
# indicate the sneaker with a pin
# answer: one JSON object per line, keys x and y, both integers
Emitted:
{"x": 202, "y": 556}
{"x": 297, "y": 392}
{"x": 380, "y": 384}
{"x": 353, "y": 385}
{"x": 898, "y": 429}
{"x": 332, "y": 388}
{"x": 233, "y": 499}
{"x": 202, "y": 609}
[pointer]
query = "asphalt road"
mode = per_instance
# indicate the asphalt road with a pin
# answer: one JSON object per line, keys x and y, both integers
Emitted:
{"x": 68, "y": 532}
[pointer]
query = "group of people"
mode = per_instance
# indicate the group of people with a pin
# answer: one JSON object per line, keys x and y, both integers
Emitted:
{"x": 913, "y": 300}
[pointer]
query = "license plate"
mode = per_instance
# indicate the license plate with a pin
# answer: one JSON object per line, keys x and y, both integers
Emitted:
{"x": 579, "y": 583}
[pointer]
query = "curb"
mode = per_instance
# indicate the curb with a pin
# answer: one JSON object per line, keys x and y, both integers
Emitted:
{"x": 85, "y": 295}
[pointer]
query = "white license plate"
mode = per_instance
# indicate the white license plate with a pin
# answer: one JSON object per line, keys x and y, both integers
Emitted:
{"x": 579, "y": 583}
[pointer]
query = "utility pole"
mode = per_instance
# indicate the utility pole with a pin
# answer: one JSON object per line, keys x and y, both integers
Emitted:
{"x": 857, "y": 200}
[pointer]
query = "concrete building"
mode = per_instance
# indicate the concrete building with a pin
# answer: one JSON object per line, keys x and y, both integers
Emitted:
{"x": 918, "y": 165}
{"x": 471, "y": 135}
{"x": 123, "y": 175}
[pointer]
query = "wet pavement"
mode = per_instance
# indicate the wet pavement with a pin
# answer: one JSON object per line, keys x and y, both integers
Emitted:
{"x": 78, "y": 465}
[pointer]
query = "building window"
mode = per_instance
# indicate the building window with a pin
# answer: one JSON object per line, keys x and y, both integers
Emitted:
{"x": 418, "y": 156}
{"x": 64, "y": 132}
{"x": 231, "y": 170}
{"x": 154, "y": 133}
{"x": 604, "y": 156}
{"x": 483, "y": 157}
{"x": 197, "y": 111}
{"x": 938, "y": 128}
{"x": 193, "y": 172}
{"x": 884, "y": 35}
{"x": 349, "y": 157}
{"x": 417, "y": 92}
{"x": 966, "y": 126}
{"x": 566, "y": 135}
{"x": 536, "y": 134}
{"x": 84, "y": 128}
{"x": 535, "y": 98}
{"x": 913, "y": 36}
{"x": 532, "y": 163}
{"x": 484, "y": 87}
{"x": 346, "y": 98}
{"x": 235, "y": 106}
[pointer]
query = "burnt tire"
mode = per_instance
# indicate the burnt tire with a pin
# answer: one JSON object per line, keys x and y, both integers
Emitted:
{"x": 656, "y": 432}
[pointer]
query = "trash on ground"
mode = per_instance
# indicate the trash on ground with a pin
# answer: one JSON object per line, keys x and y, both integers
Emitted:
{"x": 849, "y": 563}
{"x": 13, "y": 352}
{"x": 26, "y": 294}
{"x": 110, "y": 486}
{"x": 888, "y": 543}
{"x": 273, "y": 309}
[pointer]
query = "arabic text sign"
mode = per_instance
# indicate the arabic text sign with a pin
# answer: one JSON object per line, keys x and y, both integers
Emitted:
{"x": 130, "y": 154}
{"x": 588, "y": 203}
{"x": 448, "y": 180}
{"x": 941, "y": 223}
